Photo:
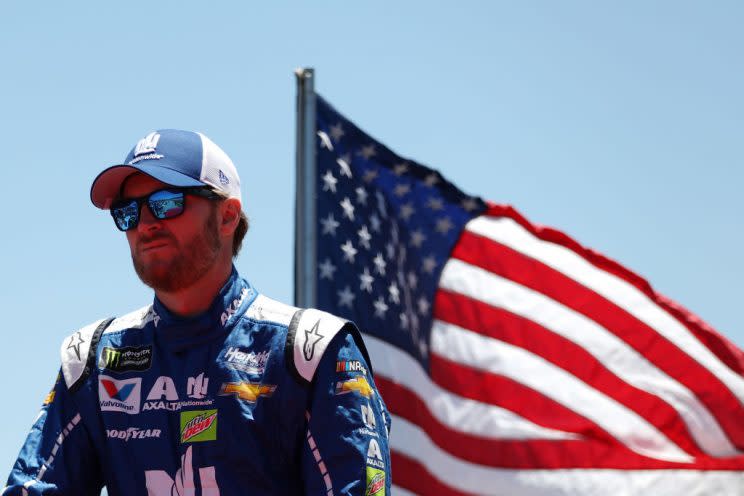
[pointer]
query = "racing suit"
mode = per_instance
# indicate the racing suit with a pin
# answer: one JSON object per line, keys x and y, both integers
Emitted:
{"x": 252, "y": 397}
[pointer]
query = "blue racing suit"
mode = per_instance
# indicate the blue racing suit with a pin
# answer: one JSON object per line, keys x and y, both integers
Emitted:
{"x": 253, "y": 397}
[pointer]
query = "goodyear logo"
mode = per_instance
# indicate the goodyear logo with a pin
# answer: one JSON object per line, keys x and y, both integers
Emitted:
{"x": 375, "y": 482}
{"x": 126, "y": 359}
{"x": 248, "y": 391}
{"x": 198, "y": 425}
{"x": 356, "y": 385}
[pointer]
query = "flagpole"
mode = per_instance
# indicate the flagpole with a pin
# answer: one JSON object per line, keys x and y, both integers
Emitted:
{"x": 305, "y": 259}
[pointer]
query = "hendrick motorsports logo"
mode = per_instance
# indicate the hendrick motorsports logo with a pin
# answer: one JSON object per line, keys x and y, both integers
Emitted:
{"x": 198, "y": 425}
{"x": 127, "y": 359}
{"x": 249, "y": 362}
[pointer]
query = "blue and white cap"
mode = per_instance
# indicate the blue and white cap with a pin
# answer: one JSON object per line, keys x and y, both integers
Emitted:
{"x": 177, "y": 158}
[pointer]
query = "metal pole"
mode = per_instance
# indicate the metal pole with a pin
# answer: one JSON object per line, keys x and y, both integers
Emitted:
{"x": 305, "y": 218}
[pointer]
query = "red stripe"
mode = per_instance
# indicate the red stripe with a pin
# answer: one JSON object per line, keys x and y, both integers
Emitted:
{"x": 507, "y": 327}
{"x": 510, "y": 264}
{"x": 413, "y": 476}
{"x": 724, "y": 349}
{"x": 523, "y": 453}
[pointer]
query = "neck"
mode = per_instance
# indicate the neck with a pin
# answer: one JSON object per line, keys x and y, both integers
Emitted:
{"x": 197, "y": 298}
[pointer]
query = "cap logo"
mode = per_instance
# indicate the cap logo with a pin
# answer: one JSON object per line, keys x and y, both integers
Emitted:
{"x": 223, "y": 179}
{"x": 147, "y": 144}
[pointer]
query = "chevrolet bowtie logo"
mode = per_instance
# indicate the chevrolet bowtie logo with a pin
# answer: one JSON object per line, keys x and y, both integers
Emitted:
{"x": 247, "y": 391}
{"x": 358, "y": 384}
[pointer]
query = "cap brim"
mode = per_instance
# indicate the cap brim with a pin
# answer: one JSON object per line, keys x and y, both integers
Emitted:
{"x": 107, "y": 186}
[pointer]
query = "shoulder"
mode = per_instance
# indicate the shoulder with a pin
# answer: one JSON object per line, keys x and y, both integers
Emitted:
{"x": 78, "y": 350}
{"x": 310, "y": 335}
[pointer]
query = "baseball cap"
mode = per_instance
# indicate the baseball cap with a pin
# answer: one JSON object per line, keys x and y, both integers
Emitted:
{"x": 178, "y": 158}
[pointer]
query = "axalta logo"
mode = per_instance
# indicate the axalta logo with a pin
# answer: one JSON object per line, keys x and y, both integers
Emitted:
{"x": 198, "y": 425}
{"x": 160, "y": 483}
{"x": 132, "y": 433}
{"x": 355, "y": 385}
{"x": 164, "y": 396}
{"x": 119, "y": 395}
{"x": 126, "y": 359}
{"x": 249, "y": 362}
{"x": 374, "y": 455}
{"x": 247, "y": 391}
{"x": 233, "y": 307}
{"x": 350, "y": 366}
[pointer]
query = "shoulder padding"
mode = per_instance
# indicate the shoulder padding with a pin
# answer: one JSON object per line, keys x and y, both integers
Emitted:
{"x": 310, "y": 332}
{"x": 265, "y": 309}
{"x": 78, "y": 353}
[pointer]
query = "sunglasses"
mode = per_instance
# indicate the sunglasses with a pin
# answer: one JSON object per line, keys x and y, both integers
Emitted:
{"x": 163, "y": 204}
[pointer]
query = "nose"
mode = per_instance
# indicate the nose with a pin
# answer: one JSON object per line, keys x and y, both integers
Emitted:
{"x": 147, "y": 222}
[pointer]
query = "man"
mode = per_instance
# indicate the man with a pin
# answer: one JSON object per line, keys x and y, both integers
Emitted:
{"x": 214, "y": 389}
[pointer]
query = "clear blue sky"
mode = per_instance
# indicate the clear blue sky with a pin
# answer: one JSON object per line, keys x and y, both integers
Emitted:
{"x": 617, "y": 122}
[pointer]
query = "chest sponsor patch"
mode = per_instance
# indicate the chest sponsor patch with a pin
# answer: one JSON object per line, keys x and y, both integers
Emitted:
{"x": 198, "y": 425}
{"x": 375, "y": 482}
{"x": 132, "y": 433}
{"x": 247, "y": 391}
{"x": 350, "y": 366}
{"x": 127, "y": 359}
{"x": 356, "y": 385}
{"x": 249, "y": 362}
{"x": 119, "y": 395}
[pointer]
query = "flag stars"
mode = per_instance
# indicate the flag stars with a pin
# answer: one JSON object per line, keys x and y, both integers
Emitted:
{"x": 329, "y": 182}
{"x": 344, "y": 166}
{"x": 406, "y": 211}
{"x": 444, "y": 225}
{"x": 327, "y": 269}
{"x": 374, "y": 220}
{"x": 469, "y": 204}
{"x": 362, "y": 195}
{"x": 325, "y": 141}
{"x": 423, "y": 305}
{"x": 412, "y": 280}
{"x": 400, "y": 169}
{"x": 417, "y": 238}
{"x": 369, "y": 175}
{"x": 345, "y": 297}
{"x": 329, "y": 225}
{"x": 394, "y": 293}
{"x": 401, "y": 190}
{"x": 349, "y": 251}
{"x": 403, "y": 321}
{"x": 381, "y": 204}
{"x": 435, "y": 203}
{"x": 364, "y": 237}
{"x": 337, "y": 131}
{"x": 431, "y": 179}
{"x": 368, "y": 151}
{"x": 380, "y": 264}
{"x": 429, "y": 264}
{"x": 390, "y": 250}
{"x": 366, "y": 280}
{"x": 380, "y": 307}
{"x": 348, "y": 208}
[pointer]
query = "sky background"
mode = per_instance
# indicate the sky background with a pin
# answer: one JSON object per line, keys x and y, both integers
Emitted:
{"x": 619, "y": 123}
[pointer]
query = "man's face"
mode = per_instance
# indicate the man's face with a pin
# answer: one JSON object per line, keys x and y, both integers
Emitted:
{"x": 172, "y": 254}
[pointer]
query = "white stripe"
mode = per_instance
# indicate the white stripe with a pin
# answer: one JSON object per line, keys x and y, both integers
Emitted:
{"x": 457, "y": 413}
{"x": 399, "y": 491}
{"x": 412, "y": 442}
{"x": 614, "y": 353}
{"x": 628, "y": 297}
{"x": 484, "y": 353}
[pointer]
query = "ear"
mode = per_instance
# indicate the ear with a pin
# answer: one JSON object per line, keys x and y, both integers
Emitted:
{"x": 229, "y": 216}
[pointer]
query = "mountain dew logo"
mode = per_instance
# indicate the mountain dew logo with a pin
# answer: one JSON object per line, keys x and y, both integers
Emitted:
{"x": 198, "y": 425}
{"x": 375, "y": 482}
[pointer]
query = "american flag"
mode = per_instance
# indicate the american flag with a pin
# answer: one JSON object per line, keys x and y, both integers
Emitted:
{"x": 514, "y": 360}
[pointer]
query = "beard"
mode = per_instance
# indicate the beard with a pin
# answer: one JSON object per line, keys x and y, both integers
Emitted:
{"x": 188, "y": 267}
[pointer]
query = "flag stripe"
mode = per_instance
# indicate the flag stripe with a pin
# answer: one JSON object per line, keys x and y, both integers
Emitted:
{"x": 450, "y": 408}
{"x": 697, "y": 367}
{"x": 595, "y": 323}
{"x": 411, "y": 442}
{"x": 500, "y": 324}
{"x": 414, "y": 476}
{"x": 497, "y": 357}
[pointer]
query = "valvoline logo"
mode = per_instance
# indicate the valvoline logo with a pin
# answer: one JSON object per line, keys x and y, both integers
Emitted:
{"x": 119, "y": 395}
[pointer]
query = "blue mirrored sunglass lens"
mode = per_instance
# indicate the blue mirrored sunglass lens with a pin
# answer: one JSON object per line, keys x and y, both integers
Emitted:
{"x": 166, "y": 204}
{"x": 126, "y": 216}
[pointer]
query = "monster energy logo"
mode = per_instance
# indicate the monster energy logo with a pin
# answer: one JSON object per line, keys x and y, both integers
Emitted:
{"x": 125, "y": 359}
